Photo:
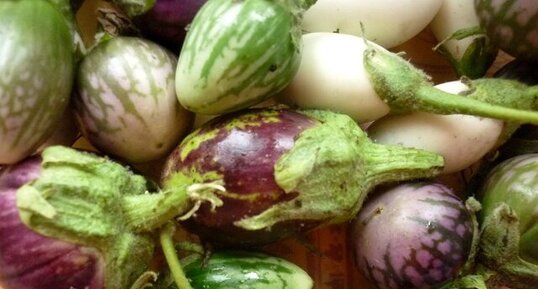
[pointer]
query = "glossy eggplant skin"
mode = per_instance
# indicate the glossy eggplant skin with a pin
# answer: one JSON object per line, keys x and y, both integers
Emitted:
{"x": 167, "y": 21}
{"x": 31, "y": 261}
{"x": 251, "y": 185}
{"x": 412, "y": 236}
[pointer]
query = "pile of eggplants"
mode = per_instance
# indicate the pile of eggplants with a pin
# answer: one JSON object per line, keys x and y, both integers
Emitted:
{"x": 250, "y": 176}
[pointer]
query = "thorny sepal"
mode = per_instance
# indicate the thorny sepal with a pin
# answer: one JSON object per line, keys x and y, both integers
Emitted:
{"x": 499, "y": 251}
{"x": 330, "y": 168}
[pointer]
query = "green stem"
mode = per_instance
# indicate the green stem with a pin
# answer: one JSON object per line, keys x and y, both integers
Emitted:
{"x": 167, "y": 244}
{"x": 406, "y": 89}
{"x": 144, "y": 213}
{"x": 434, "y": 100}
{"x": 388, "y": 163}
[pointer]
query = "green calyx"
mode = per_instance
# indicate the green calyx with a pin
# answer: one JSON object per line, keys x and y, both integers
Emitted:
{"x": 92, "y": 201}
{"x": 332, "y": 167}
{"x": 477, "y": 58}
{"x": 500, "y": 251}
{"x": 406, "y": 89}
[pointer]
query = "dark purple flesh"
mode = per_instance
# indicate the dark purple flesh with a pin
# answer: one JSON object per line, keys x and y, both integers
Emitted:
{"x": 412, "y": 236}
{"x": 167, "y": 21}
{"x": 244, "y": 152}
{"x": 31, "y": 261}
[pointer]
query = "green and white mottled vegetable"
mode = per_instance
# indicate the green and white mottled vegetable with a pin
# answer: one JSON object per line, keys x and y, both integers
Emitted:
{"x": 461, "y": 41}
{"x": 239, "y": 53}
{"x": 460, "y": 139}
{"x": 509, "y": 220}
{"x": 126, "y": 101}
{"x": 36, "y": 75}
{"x": 385, "y": 22}
{"x": 245, "y": 270}
{"x": 347, "y": 74}
{"x": 512, "y": 25}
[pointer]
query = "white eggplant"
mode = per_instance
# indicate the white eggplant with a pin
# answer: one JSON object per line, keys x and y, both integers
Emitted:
{"x": 461, "y": 139}
{"x": 386, "y": 22}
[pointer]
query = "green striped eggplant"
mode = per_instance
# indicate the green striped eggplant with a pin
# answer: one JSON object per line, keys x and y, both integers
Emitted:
{"x": 245, "y": 270}
{"x": 509, "y": 220}
{"x": 36, "y": 75}
{"x": 512, "y": 25}
{"x": 239, "y": 53}
{"x": 126, "y": 102}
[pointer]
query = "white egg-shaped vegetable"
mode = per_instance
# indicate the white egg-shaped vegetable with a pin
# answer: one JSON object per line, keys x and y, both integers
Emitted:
{"x": 461, "y": 139}
{"x": 386, "y": 22}
{"x": 332, "y": 76}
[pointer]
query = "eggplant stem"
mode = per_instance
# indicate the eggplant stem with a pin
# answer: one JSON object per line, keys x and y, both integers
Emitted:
{"x": 439, "y": 101}
{"x": 168, "y": 247}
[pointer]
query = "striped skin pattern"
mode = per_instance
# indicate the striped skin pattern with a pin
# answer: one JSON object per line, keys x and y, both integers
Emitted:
{"x": 412, "y": 236}
{"x": 126, "y": 100}
{"x": 31, "y": 260}
{"x": 511, "y": 24}
{"x": 225, "y": 150}
{"x": 515, "y": 182}
{"x": 246, "y": 270}
{"x": 236, "y": 54}
{"x": 36, "y": 75}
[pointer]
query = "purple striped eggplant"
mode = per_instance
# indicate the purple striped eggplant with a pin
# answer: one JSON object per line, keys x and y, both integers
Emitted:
{"x": 29, "y": 260}
{"x": 512, "y": 25}
{"x": 126, "y": 101}
{"x": 413, "y": 235}
{"x": 72, "y": 219}
{"x": 509, "y": 220}
{"x": 279, "y": 171}
{"x": 36, "y": 75}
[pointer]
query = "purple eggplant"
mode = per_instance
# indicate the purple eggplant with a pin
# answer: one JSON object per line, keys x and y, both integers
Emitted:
{"x": 73, "y": 219}
{"x": 279, "y": 171}
{"x": 413, "y": 235}
{"x": 167, "y": 21}
{"x": 29, "y": 260}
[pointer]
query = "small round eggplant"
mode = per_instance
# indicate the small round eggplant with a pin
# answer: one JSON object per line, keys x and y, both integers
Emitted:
{"x": 280, "y": 171}
{"x": 414, "y": 235}
{"x": 126, "y": 100}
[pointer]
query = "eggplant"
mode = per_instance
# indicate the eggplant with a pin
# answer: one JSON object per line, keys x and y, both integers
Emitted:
{"x": 416, "y": 235}
{"x": 30, "y": 260}
{"x": 36, "y": 75}
{"x": 509, "y": 223}
{"x": 167, "y": 21}
{"x": 278, "y": 172}
{"x": 511, "y": 25}
{"x": 245, "y": 269}
{"x": 73, "y": 219}
{"x": 239, "y": 53}
{"x": 126, "y": 101}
